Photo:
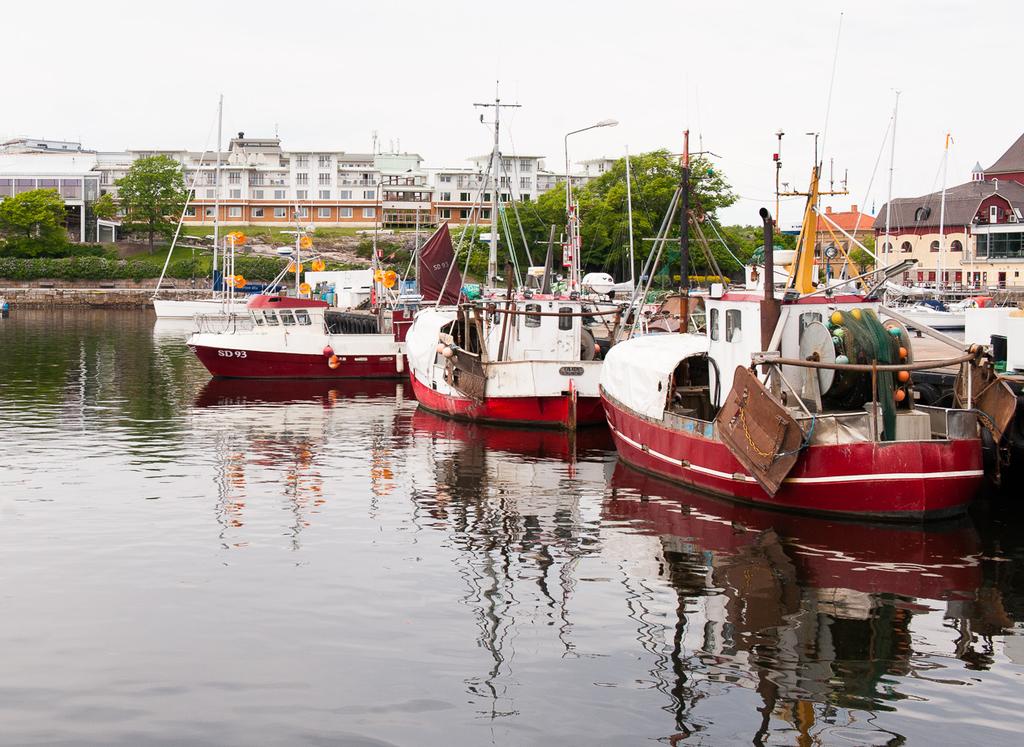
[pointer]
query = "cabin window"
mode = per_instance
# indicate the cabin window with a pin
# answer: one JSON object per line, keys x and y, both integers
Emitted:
{"x": 565, "y": 318}
{"x": 258, "y": 319}
{"x": 733, "y": 326}
{"x": 287, "y": 319}
{"x": 271, "y": 318}
{"x": 302, "y": 317}
{"x": 532, "y": 315}
{"x": 713, "y": 324}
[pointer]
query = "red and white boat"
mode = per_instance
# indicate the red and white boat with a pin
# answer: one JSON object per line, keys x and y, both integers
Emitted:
{"x": 834, "y": 430}
{"x": 523, "y": 361}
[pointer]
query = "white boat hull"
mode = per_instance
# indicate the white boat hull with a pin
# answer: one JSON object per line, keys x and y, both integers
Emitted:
{"x": 172, "y": 309}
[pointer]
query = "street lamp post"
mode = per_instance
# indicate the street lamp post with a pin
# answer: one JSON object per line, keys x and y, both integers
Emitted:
{"x": 572, "y": 219}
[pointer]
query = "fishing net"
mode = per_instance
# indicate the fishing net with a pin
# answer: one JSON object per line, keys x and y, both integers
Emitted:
{"x": 859, "y": 335}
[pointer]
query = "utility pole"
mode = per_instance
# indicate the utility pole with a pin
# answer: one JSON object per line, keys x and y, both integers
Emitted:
{"x": 492, "y": 256}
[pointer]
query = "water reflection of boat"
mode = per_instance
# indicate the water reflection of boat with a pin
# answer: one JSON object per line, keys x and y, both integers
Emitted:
{"x": 543, "y": 444}
{"x": 803, "y": 610}
{"x": 871, "y": 558}
{"x": 244, "y": 391}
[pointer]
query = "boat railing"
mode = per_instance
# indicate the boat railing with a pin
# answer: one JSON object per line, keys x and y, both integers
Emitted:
{"x": 223, "y": 323}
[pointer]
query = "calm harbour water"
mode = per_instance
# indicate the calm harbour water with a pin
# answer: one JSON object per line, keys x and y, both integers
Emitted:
{"x": 187, "y": 561}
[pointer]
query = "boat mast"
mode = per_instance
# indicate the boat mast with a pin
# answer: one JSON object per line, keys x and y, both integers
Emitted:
{"x": 888, "y": 200}
{"x": 942, "y": 219}
{"x": 629, "y": 214}
{"x": 684, "y": 222}
{"x": 216, "y": 191}
{"x": 492, "y": 256}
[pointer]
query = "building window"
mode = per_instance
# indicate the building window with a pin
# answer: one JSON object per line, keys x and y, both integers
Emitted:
{"x": 255, "y": 180}
{"x": 257, "y": 212}
{"x": 525, "y": 165}
{"x": 369, "y": 212}
{"x": 324, "y": 162}
{"x": 302, "y": 161}
{"x": 506, "y": 164}
{"x": 280, "y": 213}
{"x": 302, "y": 194}
{"x": 713, "y": 324}
{"x": 301, "y": 212}
{"x": 190, "y": 212}
{"x": 993, "y": 214}
{"x": 369, "y": 194}
{"x": 505, "y": 197}
{"x": 934, "y": 247}
{"x": 463, "y": 196}
{"x": 325, "y": 194}
{"x": 956, "y": 246}
{"x": 345, "y": 194}
{"x": 733, "y": 326}
{"x": 324, "y": 180}
{"x": 302, "y": 178}
{"x": 525, "y": 182}
{"x": 208, "y": 212}
{"x": 278, "y": 194}
{"x": 211, "y": 177}
{"x": 446, "y": 180}
{"x": 906, "y": 247}
{"x": 446, "y": 197}
{"x": 257, "y": 194}
{"x": 345, "y": 213}
{"x": 234, "y": 177}
{"x": 210, "y": 194}
{"x": 485, "y": 214}
{"x": 324, "y": 213}
{"x": 236, "y": 194}
{"x": 444, "y": 213}
{"x": 921, "y": 214}
{"x": 487, "y": 196}
{"x": 234, "y": 212}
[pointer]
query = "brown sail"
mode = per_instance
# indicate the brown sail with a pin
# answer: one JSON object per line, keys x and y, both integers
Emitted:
{"x": 438, "y": 279}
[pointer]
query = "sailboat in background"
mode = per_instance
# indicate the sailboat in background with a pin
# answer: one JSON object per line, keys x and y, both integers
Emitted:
{"x": 223, "y": 300}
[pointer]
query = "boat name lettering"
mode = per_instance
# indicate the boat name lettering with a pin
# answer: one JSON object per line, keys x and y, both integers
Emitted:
{"x": 231, "y": 353}
{"x": 571, "y": 370}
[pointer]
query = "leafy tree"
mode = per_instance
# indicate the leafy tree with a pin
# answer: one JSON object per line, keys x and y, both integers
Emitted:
{"x": 152, "y": 195}
{"x": 604, "y": 215}
{"x": 32, "y": 223}
{"x": 105, "y": 208}
{"x": 861, "y": 258}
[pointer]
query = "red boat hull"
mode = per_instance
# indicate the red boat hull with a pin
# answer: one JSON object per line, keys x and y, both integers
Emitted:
{"x": 546, "y": 412}
{"x": 256, "y": 364}
{"x": 904, "y": 481}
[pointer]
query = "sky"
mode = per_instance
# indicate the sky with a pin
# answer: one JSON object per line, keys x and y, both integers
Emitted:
{"x": 118, "y": 75}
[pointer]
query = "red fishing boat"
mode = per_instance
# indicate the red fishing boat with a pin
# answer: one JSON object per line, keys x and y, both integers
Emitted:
{"x": 300, "y": 337}
{"x": 829, "y": 426}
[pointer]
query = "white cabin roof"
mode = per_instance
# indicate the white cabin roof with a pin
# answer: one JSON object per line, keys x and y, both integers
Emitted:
{"x": 637, "y": 372}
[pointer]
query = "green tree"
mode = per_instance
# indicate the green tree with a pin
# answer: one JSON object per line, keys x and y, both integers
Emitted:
{"x": 604, "y": 215}
{"x": 32, "y": 223}
{"x": 862, "y": 259}
{"x": 152, "y": 195}
{"x": 105, "y": 208}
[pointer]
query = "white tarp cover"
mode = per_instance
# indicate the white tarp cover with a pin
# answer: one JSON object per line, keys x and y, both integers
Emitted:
{"x": 634, "y": 369}
{"x": 421, "y": 340}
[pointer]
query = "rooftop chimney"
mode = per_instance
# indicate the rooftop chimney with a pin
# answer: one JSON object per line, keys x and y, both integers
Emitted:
{"x": 853, "y": 209}
{"x": 828, "y": 210}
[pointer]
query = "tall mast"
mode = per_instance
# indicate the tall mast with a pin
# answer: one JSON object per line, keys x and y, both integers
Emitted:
{"x": 942, "y": 218}
{"x": 629, "y": 214}
{"x": 492, "y": 256}
{"x": 892, "y": 158}
{"x": 684, "y": 220}
{"x": 216, "y": 177}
